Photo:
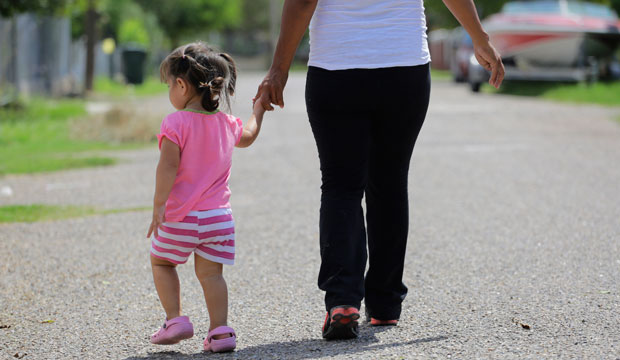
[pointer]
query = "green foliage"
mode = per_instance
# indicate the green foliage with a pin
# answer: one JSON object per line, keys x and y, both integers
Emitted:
{"x": 133, "y": 31}
{"x": 36, "y": 138}
{"x": 255, "y": 15}
{"x": 180, "y": 19}
{"x": 49, "y": 7}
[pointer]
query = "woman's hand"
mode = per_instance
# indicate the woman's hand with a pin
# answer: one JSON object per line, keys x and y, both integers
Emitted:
{"x": 270, "y": 91}
{"x": 491, "y": 60}
{"x": 158, "y": 219}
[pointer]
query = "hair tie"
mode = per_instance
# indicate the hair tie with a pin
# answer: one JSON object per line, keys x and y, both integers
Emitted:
{"x": 204, "y": 84}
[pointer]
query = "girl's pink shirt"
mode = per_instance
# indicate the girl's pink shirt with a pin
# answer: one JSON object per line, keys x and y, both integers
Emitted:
{"x": 206, "y": 141}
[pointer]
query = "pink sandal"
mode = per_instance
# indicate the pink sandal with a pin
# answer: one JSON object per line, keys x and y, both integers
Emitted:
{"x": 173, "y": 331}
{"x": 221, "y": 345}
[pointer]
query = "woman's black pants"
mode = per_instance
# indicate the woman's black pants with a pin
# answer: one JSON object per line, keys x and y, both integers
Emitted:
{"x": 365, "y": 123}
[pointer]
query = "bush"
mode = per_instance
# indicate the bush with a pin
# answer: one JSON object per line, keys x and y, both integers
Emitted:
{"x": 133, "y": 31}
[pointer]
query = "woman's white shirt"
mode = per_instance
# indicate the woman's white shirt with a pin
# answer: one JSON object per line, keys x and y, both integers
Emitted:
{"x": 368, "y": 34}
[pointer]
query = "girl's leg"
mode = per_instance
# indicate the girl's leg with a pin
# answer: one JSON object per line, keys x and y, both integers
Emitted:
{"x": 167, "y": 284}
{"x": 209, "y": 274}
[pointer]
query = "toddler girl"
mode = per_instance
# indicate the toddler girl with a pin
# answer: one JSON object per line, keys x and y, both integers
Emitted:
{"x": 191, "y": 209}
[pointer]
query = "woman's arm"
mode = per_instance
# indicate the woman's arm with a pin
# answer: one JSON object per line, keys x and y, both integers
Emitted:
{"x": 465, "y": 12}
{"x": 251, "y": 129}
{"x": 164, "y": 180}
{"x": 296, "y": 16}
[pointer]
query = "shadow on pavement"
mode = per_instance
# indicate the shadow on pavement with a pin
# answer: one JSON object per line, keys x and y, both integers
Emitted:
{"x": 299, "y": 349}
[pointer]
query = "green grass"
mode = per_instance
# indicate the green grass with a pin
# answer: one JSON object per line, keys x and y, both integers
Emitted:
{"x": 299, "y": 66}
{"x": 600, "y": 93}
{"x": 34, "y": 213}
{"x": 36, "y": 138}
{"x": 151, "y": 86}
{"x": 441, "y": 74}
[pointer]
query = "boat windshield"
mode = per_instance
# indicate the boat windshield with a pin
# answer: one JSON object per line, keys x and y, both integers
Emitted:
{"x": 594, "y": 10}
{"x": 534, "y": 7}
{"x": 558, "y": 7}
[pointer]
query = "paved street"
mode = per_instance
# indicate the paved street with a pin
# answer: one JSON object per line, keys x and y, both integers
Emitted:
{"x": 514, "y": 247}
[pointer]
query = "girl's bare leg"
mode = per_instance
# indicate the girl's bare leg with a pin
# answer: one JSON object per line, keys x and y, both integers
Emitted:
{"x": 168, "y": 287}
{"x": 209, "y": 274}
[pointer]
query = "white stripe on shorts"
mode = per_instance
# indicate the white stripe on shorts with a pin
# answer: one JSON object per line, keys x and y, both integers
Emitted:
{"x": 180, "y": 225}
{"x": 218, "y": 238}
{"x": 185, "y": 238}
{"x": 216, "y": 226}
{"x": 210, "y": 213}
{"x": 222, "y": 248}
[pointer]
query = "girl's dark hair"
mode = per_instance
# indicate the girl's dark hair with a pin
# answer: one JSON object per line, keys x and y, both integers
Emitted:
{"x": 211, "y": 73}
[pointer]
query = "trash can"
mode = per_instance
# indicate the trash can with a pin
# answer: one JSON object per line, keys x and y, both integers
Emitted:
{"x": 133, "y": 64}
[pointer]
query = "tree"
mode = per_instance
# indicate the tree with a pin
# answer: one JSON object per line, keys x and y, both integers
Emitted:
{"x": 11, "y": 7}
{"x": 179, "y": 19}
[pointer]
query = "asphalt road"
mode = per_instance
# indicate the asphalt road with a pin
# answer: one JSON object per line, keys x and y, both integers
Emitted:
{"x": 514, "y": 247}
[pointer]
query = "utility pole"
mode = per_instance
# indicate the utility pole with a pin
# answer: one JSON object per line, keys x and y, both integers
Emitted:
{"x": 13, "y": 63}
{"x": 91, "y": 34}
{"x": 274, "y": 20}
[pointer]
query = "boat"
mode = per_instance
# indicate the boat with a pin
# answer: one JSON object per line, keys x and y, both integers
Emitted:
{"x": 558, "y": 40}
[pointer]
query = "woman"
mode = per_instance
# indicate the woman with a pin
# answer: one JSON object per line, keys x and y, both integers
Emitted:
{"x": 367, "y": 92}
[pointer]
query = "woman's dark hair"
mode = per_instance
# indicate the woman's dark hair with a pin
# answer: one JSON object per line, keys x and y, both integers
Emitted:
{"x": 211, "y": 73}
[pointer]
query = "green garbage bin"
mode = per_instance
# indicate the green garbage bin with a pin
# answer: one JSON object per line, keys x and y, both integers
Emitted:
{"x": 133, "y": 64}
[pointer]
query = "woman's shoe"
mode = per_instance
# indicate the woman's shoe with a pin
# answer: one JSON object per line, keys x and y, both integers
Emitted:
{"x": 377, "y": 322}
{"x": 221, "y": 345}
{"x": 341, "y": 323}
{"x": 173, "y": 331}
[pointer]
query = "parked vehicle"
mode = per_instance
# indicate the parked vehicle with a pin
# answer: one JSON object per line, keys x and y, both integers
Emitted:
{"x": 554, "y": 40}
{"x": 462, "y": 50}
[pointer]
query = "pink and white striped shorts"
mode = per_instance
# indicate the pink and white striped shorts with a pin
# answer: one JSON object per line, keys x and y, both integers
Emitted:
{"x": 210, "y": 234}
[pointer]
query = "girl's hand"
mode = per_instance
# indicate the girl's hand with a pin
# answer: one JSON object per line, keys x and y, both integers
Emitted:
{"x": 258, "y": 108}
{"x": 158, "y": 219}
{"x": 491, "y": 60}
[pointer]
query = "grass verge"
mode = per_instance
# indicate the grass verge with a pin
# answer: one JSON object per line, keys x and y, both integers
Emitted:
{"x": 600, "y": 93}
{"x": 37, "y": 138}
{"x": 34, "y": 213}
{"x": 151, "y": 86}
{"x": 441, "y": 74}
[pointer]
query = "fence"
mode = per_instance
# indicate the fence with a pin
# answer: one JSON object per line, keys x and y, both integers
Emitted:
{"x": 38, "y": 56}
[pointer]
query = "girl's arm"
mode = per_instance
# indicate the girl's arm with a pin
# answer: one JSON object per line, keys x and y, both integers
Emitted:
{"x": 164, "y": 180}
{"x": 465, "y": 12}
{"x": 252, "y": 127}
{"x": 296, "y": 16}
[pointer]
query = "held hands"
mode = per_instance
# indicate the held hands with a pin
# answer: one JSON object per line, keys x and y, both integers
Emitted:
{"x": 491, "y": 60}
{"x": 271, "y": 89}
{"x": 158, "y": 219}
